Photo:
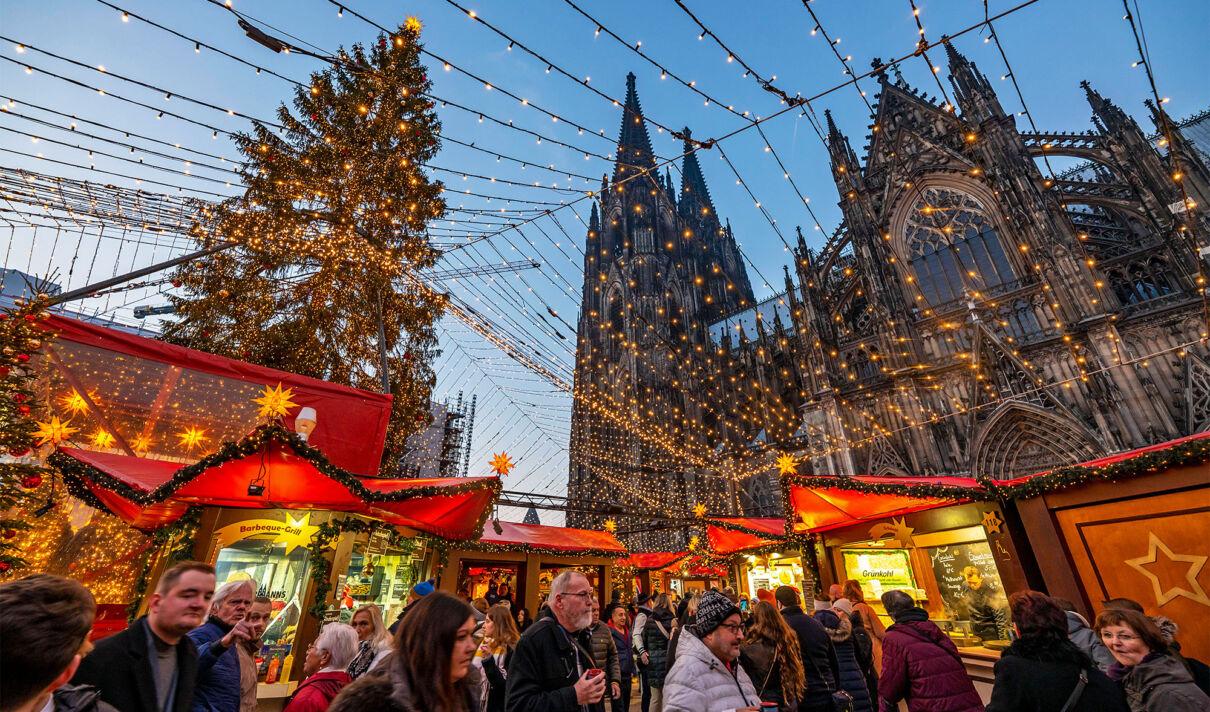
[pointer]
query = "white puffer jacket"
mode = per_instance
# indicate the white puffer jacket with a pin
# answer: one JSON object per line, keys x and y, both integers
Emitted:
{"x": 700, "y": 682}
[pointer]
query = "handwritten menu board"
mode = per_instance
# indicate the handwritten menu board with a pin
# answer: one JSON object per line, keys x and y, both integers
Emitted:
{"x": 949, "y": 563}
{"x": 879, "y": 571}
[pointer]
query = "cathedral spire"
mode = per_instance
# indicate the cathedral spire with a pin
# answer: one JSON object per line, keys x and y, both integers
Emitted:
{"x": 634, "y": 143}
{"x": 594, "y": 220}
{"x": 694, "y": 197}
{"x": 843, "y": 158}
{"x": 972, "y": 92}
{"x": 1105, "y": 111}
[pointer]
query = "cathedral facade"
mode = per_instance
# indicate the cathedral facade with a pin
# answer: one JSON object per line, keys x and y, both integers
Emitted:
{"x": 974, "y": 314}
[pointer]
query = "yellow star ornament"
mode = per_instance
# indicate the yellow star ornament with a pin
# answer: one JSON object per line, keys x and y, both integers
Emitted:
{"x": 699, "y": 510}
{"x": 275, "y": 402}
{"x": 787, "y": 464}
{"x": 414, "y": 24}
{"x": 56, "y": 431}
{"x": 102, "y": 439}
{"x": 502, "y": 463}
{"x": 611, "y": 526}
{"x": 75, "y": 404}
{"x": 191, "y": 438}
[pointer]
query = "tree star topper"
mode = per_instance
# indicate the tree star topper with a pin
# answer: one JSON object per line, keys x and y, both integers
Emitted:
{"x": 275, "y": 402}
{"x": 787, "y": 464}
{"x": 54, "y": 432}
{"x": 414, "y": 24}
{"x": 502, "y": 463}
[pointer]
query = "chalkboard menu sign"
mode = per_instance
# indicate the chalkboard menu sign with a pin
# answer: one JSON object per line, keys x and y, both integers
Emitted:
{"x": 949, "y": 564}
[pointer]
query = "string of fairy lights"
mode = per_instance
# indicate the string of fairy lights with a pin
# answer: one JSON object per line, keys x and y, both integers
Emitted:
{"x": 517, "y": 297}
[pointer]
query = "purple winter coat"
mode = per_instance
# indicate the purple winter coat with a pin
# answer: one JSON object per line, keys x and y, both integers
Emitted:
{"x": 921, "y": 665}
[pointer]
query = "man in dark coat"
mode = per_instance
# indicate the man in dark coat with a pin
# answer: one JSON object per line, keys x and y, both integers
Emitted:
{"x": 819, "y": 663}
{"x": 218, "y": 641}
{"x": 920, "y": 663}
{"x": 551, "y": 669}
{"x": 152, "y": 665}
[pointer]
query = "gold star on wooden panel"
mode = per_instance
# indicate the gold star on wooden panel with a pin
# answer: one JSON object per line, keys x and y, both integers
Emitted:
{"x": 1164, "y": 594}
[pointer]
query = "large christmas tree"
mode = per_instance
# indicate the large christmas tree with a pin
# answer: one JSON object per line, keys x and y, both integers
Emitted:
{"x": 331, "y": 230}
{"x": 20, "y": 480}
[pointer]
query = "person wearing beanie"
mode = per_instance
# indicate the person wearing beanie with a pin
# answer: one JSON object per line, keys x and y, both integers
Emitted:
{"x": 707, "y": 676}
{"x": 418, "y": 592}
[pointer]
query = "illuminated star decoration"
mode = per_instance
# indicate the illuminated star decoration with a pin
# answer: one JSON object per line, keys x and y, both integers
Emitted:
{"x": 75, "y": 404}
{"x": 414, "y": 24}
{"x": 102, "y": 439}
{"x": 142, "y": 443}
{"x": 275, "y": 402}
{"x": 1194, "y": 592}
{"x": 611, "y": 526}
{"x": 191, "y": 438}
{"x": 501, "y": 463}
{"x": 699, "y": 510}
{"x": 693, "y": 540}
{"x": 55, "y": 431}
{"x": 787, "y": 464}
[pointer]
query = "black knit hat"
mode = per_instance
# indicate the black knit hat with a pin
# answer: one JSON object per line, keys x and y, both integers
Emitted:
{"x": 712, "y": 610}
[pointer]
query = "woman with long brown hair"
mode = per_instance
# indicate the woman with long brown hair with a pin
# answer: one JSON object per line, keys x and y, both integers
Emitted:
{"x": 869, "y": 619}
{"x": 431, "y": 669}
{"x": 500, "y": 636}
{"x": 772, "y": 658}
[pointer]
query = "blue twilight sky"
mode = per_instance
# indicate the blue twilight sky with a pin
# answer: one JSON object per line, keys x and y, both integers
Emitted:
{"x": 1051, "y": 45}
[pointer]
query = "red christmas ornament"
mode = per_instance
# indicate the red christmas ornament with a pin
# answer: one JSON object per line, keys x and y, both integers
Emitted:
{"x": 3, "y": 317}
{"x": 31, "y": 317}
{"x": 31, "y": 481}
{"x": 4, "y": 567}
{"x": 10, "y": 533}
{"x": 3, "y": 371}
{"x": 407, "y": 355}
{"x": 176, "y": 282}
{"x": 18, "y": 452}
{"x": 315, "y": 117}
{"x": 23, "y": 409}
{"x": 23, "y": 358}
{"x": 19, "y": 397}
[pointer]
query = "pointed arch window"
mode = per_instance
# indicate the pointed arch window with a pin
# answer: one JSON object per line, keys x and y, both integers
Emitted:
{"x": 951, "y": 243}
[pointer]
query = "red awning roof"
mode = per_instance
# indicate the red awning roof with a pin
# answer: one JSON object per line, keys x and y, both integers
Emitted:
{"x": 651, "y": 559}
{"x": 150, "y": 493}
{"x": 557, "y": 538}
{"x": 824, "y": 505}
{"x": 694, "y": 567}
{"x": 153, "y": 391}
{"x": 735, "y": 534}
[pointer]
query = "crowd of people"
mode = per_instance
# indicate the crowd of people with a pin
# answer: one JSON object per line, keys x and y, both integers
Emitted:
{"x": 194, "y": 651}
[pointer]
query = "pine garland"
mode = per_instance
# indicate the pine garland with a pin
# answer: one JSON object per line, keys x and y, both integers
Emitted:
{"x": 322, "y": 541}
{"x": 73, "y": 469}
{"x": 179, "y": 537}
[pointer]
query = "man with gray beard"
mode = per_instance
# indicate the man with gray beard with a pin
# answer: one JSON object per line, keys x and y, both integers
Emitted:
{"x": 551, "y": 669}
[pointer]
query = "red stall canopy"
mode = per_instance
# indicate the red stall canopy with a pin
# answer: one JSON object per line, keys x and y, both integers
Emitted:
{"x": 821, "y": 503}
{"x": 734, "y": 534}
{"x": 149, "y": 493}
{"x": 694, "y": 567}
{"x": 539, "y": 536}
{"x": 152, "y": 392}
{"x": 1111, "y": 459}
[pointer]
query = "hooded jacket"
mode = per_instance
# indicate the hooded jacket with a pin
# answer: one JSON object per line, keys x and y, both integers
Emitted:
{"x": 384, "y": 689}
{"x": 1039, "y": 673}
{"x": 921, "y": 665}
{"x": 1161, "y": 684}
{"x": 317, "y": 692}
{"x": 852, "y": 678}
{"x": 1086, "y": 639}
{"x": 700, "y": 682}
{"x": 217, "y": 669}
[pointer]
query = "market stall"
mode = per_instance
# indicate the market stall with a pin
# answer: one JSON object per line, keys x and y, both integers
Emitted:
{"x": 761, "y": 554}
{"x": 268, "y": 476}
{"x": 1134, "y": 525}
{"x": 525, "y": 558}
{"x": 643, "y": 572}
